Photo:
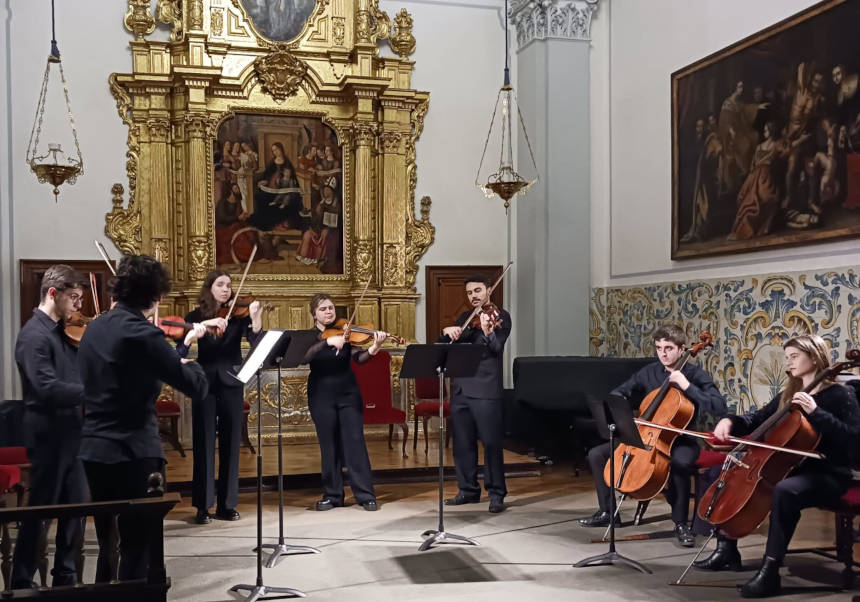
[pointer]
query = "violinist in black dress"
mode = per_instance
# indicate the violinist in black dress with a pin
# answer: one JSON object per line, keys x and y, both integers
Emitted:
{"x": 336, "y": 408}
{"x": 219, "y": 353}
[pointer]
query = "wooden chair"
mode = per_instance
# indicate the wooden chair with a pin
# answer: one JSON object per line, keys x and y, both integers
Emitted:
{"x": 169, "y": 412}
{"x": 374, "y": 382}
{"x": 427, "y": 407}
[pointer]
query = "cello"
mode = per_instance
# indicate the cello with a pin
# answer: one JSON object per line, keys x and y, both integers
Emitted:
{"x": 740, "y": 500}
{"x": 644, "y": 472}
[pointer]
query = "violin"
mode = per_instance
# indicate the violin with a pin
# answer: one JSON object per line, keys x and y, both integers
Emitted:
{"x": 493, "y": 312}
{"x": 740, "y": 499}
{"x": 75, "y": 326}
{"x": 175, "y": 327}
{"x": 241, "y": 309}
{"x": 362, "y": 334}
{"x": 645, "y": 472}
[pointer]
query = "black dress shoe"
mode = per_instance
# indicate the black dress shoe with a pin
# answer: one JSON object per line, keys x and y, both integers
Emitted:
{"x": 203, "y": 517}
{"x": 684, "y": 535}
{"x": 327, "y": 504}
{"x": 725, "y": 558}
{"x": 228, "y": 514}
{"x": 460, "y": 499}
{"x": 370, "y": 505}
{"x": 497, "y": 504}
{"x": 599, "y": 519}
{"x": 765, "y": 583}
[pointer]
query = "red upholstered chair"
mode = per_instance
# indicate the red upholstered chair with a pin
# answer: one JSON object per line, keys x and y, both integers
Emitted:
{"x": 246, "y": 439}
{"x": 374, "y": 382}
{"x": 169, "y": 412}
{"x": 10, "y": 481}
{"x": 427, "y": 407}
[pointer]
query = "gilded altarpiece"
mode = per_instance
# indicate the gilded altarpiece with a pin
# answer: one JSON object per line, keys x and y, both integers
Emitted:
{"x": 218, "y": 67}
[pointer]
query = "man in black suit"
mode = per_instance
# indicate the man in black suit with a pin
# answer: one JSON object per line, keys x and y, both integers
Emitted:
{"x": 476, "y": 402}
{"x": 53, "y": 394}
{"x": 123, "y": 359}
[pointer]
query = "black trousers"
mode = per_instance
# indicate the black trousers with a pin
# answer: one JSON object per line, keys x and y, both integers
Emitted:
{"x": 120, "y": 481}
{"x": 683, "y": 457}
{"x": 224, "y": 405}
{"x": 478, "y": 419}
{"x": 340, "y": 431}
{"x": 56, "y": 477}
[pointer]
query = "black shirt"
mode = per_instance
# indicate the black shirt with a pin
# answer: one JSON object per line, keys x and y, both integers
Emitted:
{"x": 123, "y": 360}
{"x": 702, "y": 390}
{"x": 47, "y": 363}
{"x": 837, "y": 419}
{"x": 330, "y": 370}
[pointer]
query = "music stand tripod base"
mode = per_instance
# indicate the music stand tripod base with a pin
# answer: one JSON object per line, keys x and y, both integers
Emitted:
{"x": 258, "y": 592}
{"x": 440, "y": 537}
{"x": 280, "y": 550}
{"x": 611, "y": 558}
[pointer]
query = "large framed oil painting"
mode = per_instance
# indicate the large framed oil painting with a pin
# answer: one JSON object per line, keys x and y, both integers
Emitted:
{"x": 278, "y": 184}
{"x": 279, "y": 20}
{"x": 766, "y": 138}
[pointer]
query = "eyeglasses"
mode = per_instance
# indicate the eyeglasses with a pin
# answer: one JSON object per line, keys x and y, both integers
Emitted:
{"x": 75, "y": 297}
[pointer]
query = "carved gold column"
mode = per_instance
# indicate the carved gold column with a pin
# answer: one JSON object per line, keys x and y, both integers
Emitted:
{"x": 196, "y": 126}
{"x": 159, "y": 195}
{"x": 393, "y": 208}
{"x": 364, "y": 136}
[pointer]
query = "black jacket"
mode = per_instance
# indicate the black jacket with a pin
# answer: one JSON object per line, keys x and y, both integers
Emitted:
{"x": 837, "y": 419}
{"x": 702, "y": 390}
{"x": 47, "y": 363}
{"x": 487, "y": 382}
{"x": 123, "y": 360}
{"x": 331, "y": 373}
{"x": 219, "y": 356}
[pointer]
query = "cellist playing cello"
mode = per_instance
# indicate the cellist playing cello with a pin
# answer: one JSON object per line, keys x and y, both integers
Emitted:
{"x": 832, "y": 410}
{"x": 697, "y": 385}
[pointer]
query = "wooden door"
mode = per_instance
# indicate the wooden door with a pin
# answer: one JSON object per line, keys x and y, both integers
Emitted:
{"x": 32, "y": 271}
{"x": 445, "y": 291}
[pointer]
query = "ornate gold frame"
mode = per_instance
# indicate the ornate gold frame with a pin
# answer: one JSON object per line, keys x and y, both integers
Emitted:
{"x": 217, "y": 64}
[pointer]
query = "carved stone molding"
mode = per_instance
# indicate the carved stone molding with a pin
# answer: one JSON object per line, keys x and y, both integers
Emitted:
{"x": 160, "y": 248}
{"x": 363, "y": 260}
{"x": 138, "y": 19}
{"x": 199, "y": 257}
{"x": 280, "y": 72}
{"x": 197, "y": 126}
{"x": 364, "y": 134}
{"x": 195, "y": 14}
{"x": 159, "y": 130}
{"x": 392, "y": 264}
{"x": 216, "y": 19}
{"x": 552, "y": 19}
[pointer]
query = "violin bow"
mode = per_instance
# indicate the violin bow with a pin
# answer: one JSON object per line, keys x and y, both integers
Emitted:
{"x": 242, "y": 282}
{"x": 103, "y": 253}
{"x": 491, "y": 289}
{"x": 706, "y": 436}
{"x": 357, "y": 305}
{"x": 96, "y": 307}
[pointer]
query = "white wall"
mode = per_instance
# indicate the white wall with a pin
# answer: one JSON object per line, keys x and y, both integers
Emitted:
{"x": 458, "y": 59}
{"x": 635, "y": 53}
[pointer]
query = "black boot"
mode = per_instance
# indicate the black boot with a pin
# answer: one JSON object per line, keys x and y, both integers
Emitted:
{"x": 765, "y": 583}
{"x": 725, "y": 558}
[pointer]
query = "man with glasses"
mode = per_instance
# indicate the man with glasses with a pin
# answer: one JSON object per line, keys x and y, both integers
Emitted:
{"x": 53, "y": 393}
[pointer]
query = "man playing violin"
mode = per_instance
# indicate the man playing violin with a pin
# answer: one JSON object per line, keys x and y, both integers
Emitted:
{"x": 697, "y": 386}
{"x": 832, "y": 410}
{"x": 123, "y": 361}
{"x": 53, "y": 393}
{"x": 476, "y": 402}
{"x": 218, "y": 353}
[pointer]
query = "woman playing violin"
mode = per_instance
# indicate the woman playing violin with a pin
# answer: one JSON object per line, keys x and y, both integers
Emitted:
{"x": 218, "y": 355}
{"x": 832, "y": 411}
{"x": 336, "y": 407}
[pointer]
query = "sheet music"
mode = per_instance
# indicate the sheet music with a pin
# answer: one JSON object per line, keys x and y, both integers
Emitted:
{"x": 259, "y": 355}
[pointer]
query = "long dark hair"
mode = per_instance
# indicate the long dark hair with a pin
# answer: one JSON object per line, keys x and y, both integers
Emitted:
{"x": 208, "y": 305}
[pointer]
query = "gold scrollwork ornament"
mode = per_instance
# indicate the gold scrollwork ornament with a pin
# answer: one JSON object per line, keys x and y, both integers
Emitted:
{"x": 169, "y": 13}
{"x": 363, "y": 260}
{"x": 122, "y": 226}
{"x": 419, "y": 237}
{"x": 403, "y": 42}
{"x": 199, "y": 255}
{"x": 138, "y": 20}
{"x": 280, "y": 72}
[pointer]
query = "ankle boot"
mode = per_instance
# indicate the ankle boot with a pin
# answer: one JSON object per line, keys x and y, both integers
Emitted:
{"x": 765, "y": 583}
{"x": 725, "y": 558}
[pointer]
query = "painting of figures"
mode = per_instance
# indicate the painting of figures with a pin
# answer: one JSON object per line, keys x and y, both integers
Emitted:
{"x": 278, "y": 183}
{"x": 279, "y": 20}
{"x": 766, "y": 138}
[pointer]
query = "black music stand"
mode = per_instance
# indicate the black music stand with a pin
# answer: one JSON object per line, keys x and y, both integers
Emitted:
{"x": 300, "y": 341}
{"x": 427, "y": 361}
{"x": 273, "y": 345}
{"x": 622, "y": 422}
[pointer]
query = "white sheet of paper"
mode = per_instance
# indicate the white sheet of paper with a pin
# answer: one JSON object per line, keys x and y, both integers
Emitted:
{"x": 259, "y": 355}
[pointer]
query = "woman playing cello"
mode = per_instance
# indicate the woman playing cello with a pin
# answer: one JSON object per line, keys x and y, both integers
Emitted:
{"x": 831, "y": 409}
